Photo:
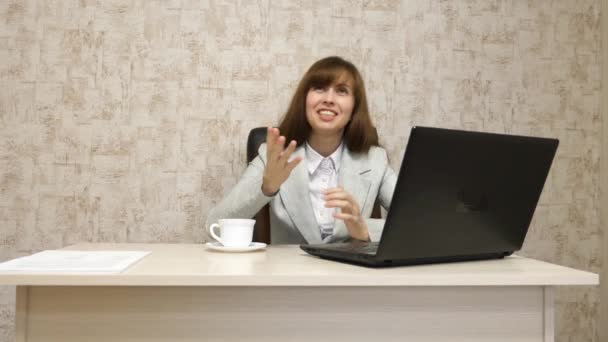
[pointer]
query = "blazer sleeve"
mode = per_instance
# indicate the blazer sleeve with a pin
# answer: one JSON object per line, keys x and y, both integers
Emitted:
{"x": 387, "y": 187}
{"x": 246, "y": 198}
{"x": 385, "y": 196}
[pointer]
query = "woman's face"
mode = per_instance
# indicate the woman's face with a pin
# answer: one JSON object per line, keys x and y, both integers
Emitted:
{"x": 329, "y": 109}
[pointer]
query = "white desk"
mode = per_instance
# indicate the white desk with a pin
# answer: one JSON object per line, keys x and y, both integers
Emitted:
{"x": 187, "y": 293}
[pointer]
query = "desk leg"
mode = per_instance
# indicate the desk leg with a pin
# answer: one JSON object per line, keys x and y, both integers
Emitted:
{"x": 549, "y": 313}
{"x": 21, "y": 311}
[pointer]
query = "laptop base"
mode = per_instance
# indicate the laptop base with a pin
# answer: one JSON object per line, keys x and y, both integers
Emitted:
{"x": 372, "y": 261}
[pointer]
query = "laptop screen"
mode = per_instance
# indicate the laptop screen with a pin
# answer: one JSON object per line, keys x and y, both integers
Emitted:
{"x": 465, "y": 193}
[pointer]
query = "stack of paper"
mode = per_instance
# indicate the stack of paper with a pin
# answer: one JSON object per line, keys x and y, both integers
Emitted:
{"x": 65, "y": 261}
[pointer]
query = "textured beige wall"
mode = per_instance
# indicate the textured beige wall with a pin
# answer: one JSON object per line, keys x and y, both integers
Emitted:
{"x": 125, "y": 120}
{"x": 604, "y": 178}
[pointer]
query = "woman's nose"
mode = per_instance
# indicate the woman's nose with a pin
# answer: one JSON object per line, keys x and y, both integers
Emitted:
{"x": 329, "y": 96}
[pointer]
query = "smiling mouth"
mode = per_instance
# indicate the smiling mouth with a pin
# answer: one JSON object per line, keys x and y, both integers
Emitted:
{"x": 325, "y": 112}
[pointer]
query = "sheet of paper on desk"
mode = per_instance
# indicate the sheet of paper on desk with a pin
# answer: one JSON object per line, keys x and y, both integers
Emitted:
{"x": 65, "y": 261}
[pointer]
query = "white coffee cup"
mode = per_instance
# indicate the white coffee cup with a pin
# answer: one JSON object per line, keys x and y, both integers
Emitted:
{"x": 233, "y": 232}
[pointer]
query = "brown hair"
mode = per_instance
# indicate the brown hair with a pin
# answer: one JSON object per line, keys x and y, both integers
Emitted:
{"x": 359, "y": 134}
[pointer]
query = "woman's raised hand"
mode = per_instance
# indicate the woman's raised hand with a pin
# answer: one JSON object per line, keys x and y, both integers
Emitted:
{"x": 278, "y": 167}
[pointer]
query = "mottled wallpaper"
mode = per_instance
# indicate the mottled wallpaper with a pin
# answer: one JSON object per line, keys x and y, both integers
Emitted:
{"x": 126, "y": 120}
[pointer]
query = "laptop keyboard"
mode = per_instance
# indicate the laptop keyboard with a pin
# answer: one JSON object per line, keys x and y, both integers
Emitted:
{"x": 358, "y": 247}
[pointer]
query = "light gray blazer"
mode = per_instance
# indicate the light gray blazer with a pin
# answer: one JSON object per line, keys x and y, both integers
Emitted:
{"x": 292, "y": 221}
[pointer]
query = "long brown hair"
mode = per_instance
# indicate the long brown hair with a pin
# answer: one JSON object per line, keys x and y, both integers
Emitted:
{"x": 359, "y": 134}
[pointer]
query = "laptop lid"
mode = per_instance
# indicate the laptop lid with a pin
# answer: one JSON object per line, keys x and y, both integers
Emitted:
{"x": 462, "y": 193}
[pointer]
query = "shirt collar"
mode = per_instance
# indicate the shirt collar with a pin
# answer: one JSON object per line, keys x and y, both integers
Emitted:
{"x": 314, "y": 159}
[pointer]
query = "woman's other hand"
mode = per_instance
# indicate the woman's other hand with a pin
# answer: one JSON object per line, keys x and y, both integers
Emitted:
{"x": 350, "y": 212}
{"x": 278, "y": 167}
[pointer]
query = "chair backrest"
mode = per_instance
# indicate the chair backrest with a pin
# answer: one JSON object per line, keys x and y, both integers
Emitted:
{"x": 261, "y": 232}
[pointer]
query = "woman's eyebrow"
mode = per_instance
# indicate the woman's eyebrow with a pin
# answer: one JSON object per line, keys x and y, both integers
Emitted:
{"x": 343, "y": 84}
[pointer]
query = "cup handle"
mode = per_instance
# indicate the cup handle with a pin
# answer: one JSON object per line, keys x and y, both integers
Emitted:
{"x": 213, "y": 234}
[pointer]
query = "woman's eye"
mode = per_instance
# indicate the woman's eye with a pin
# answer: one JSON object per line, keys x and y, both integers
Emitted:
{"x": 343, "y": 91}
{"x": 318, "y": 90}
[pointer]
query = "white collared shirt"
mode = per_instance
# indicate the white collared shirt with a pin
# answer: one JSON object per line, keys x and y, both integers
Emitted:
{"x": 323, "y": 174}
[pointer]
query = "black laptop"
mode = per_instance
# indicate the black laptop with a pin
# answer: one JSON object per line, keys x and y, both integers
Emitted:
{"x": 460, "y": 195}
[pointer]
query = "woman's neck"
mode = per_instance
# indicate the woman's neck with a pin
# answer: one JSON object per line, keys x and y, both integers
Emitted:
{"x": 325, "y": 145}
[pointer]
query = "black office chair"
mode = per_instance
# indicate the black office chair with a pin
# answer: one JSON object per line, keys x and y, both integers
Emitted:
{"x": 261, "y": 231}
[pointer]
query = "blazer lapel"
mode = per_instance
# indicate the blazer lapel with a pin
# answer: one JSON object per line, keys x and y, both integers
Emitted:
{"x": 295, "y": 196}
{"x": 352, "y": 178}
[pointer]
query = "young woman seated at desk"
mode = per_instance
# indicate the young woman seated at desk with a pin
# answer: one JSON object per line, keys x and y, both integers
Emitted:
{"x": 323, "y": 184}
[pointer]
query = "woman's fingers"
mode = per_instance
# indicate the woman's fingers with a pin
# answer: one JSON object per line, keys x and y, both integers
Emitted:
{"x": 271, "y": 138}
{"x": 277, "y": 149}
{"x": 270, "y": 135}
{"x": 346, "y": 217}
{"x": 278, "y": 166}
{"x": 349, "y": 212}
{"x": 338, "y": 193}
{"x": 288, "y": 151}
{"x": 292, "y": 164}
{"x": 338, "y": 198}
{"x": 275, "y": 143}
{"x": 334, "y": 190}
{"x": 332, "y": 194}
{"x": 344, "y": 205}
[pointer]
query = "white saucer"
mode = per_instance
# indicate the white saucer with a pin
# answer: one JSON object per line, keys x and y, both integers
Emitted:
{"x": 254, "y": 246}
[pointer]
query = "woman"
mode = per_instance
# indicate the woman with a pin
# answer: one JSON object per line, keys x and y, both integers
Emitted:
{"x": 322, "y": 186}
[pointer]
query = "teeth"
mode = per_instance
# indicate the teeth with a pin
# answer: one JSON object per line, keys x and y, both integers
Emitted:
{"x": 327, "y": 112}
